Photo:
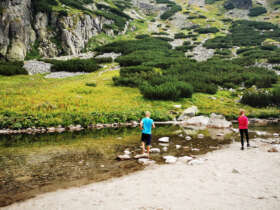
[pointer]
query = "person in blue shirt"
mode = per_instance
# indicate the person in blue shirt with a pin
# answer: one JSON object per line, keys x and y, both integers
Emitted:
{"x": 146, "y": 126}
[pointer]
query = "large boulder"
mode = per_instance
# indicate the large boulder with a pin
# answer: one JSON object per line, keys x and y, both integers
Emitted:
{"x": 187, "y": 113}
{"x": 218, "y": 121}
{"x": 215, "y": 121}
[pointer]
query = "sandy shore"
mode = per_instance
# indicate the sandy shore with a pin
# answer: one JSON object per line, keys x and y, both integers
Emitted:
{"x": 229, "y": 179}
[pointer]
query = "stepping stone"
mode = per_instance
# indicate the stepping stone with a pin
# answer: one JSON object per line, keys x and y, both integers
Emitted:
{"x": 141, "y": 156}
{"x": 164, "y": 139}
{"x": 146, "y": 161}
{"x": 165, "y": 149}
{"x": 163, "y": 145}
{"x": 124, "y": 157}
{"x": 170, "y": 159}
{"x": 155, "y": 150}
{"x": 185, "y": 159}
{"x": 178, "y": 146}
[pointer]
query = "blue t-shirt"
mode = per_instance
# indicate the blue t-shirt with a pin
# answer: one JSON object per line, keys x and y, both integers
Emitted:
{"x": 147, "y": 125}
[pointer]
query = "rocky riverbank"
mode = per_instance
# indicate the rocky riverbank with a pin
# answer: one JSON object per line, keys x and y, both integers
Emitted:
{"x": 225, "y": 179}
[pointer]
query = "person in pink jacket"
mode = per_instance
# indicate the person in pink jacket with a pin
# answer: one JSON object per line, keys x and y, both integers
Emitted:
{"x": 243, "y": 128}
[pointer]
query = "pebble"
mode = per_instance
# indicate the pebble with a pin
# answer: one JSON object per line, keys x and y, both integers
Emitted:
{"x": 200, "y": 136}
{"x": 188, "y": 138}
{"x": 178, "y": 146}
{"x": 163, "y": 145}
{"x": 165, "y": 149}
{"x": 234, "y": 171}
{"x": 195, "y": 149}
{"x": 276, "y": 135}
{"x": 197, "y": 161}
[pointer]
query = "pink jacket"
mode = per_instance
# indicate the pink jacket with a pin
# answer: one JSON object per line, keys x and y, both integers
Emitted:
{"x": 243, "y": 122}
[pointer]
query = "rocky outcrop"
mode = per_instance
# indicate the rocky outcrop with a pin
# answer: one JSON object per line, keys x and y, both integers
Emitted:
{"x": 16, "y": 32}
{"x": 54, "y": 34}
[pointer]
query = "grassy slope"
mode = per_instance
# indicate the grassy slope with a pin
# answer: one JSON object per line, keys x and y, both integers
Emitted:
{"x": 35, "y": 94}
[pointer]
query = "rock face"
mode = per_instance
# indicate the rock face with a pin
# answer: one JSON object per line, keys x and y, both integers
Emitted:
{"x": 54, "y": 34}
{"x": 241, "y": 4}
{"x": 16, "y": 32}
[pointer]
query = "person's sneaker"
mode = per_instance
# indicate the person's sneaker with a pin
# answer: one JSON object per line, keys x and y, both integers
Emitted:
{"x": 242, "y": 148}
{"x": 248, "y": 145}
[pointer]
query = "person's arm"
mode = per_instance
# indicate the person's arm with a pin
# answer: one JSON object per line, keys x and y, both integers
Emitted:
{"x": 141, "y": 125}
{"x": 154, "y": 126}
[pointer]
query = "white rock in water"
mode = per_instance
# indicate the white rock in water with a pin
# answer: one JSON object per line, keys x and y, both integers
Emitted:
{"x": 218, "y": 121}
{"x": 170, "y": 159}
{"x": 127, "y": 152}
{"x": 164, "y": 139}
{"x": 220, "y": 134}
{"x": 261, "y": 133}
{"x": 235, "y": 130}
{"x": 124, "y": 157}
{"x": 178, "y": 146}
{"x": 141, "y": 156}
{"x": 195, "y": 149}
{"x": 200, "y": 136}
{"x": 185, "y": 158}
{"x": 276, "y": 135}
{"x": 188, "y": 138}
{"x": 197, "y": 161}
{"x": 179, "y": 106}
{"x": 156, "y": 150}
{"x": 181, "y": 135}
{"x": 165, "y": 149}
{"x": 163, "y": 145}
{"x": 199, "y": 121}
{"x": 146, "y": 161}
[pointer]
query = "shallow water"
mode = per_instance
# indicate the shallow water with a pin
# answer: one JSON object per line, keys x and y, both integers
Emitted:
{"x": 34, "y": 164}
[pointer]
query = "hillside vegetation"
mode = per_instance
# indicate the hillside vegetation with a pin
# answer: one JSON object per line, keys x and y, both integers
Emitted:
{"x": 159, "y": 67}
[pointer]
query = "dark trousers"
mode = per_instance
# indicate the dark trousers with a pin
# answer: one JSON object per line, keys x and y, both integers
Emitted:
{"x": 242, "y": 132}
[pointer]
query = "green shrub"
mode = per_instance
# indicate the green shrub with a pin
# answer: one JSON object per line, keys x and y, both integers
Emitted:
{"x": 74, "y": 65}
{"x": 257, "y": 11}
{"x": 228, "y": 5}
{"x": 142, "y": 36}
{"x": 91, "y": 84}
{"x": 207, "y": 30}
{"x": 167, "y": 91}
{"x": 103, "y": 60}
{"x": 262, "y": 98}
{"x": 11, "y": 68}
{"x": 275, "y": 59}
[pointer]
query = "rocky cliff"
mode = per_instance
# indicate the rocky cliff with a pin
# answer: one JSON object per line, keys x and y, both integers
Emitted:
{"x": 59, "y": 30}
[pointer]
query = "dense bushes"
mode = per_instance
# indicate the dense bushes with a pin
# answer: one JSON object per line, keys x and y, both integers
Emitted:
{"x": 262, "y": 98}
{"x": 11, "y": 68}
{"x": 207, "y": 30}
{"x": 74, "y": 65}
{"x": 173, "y": 8}
{"x": 256, "y": 11}
{"x": 245, "y": 33}
{"x": 171, "y": 90}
